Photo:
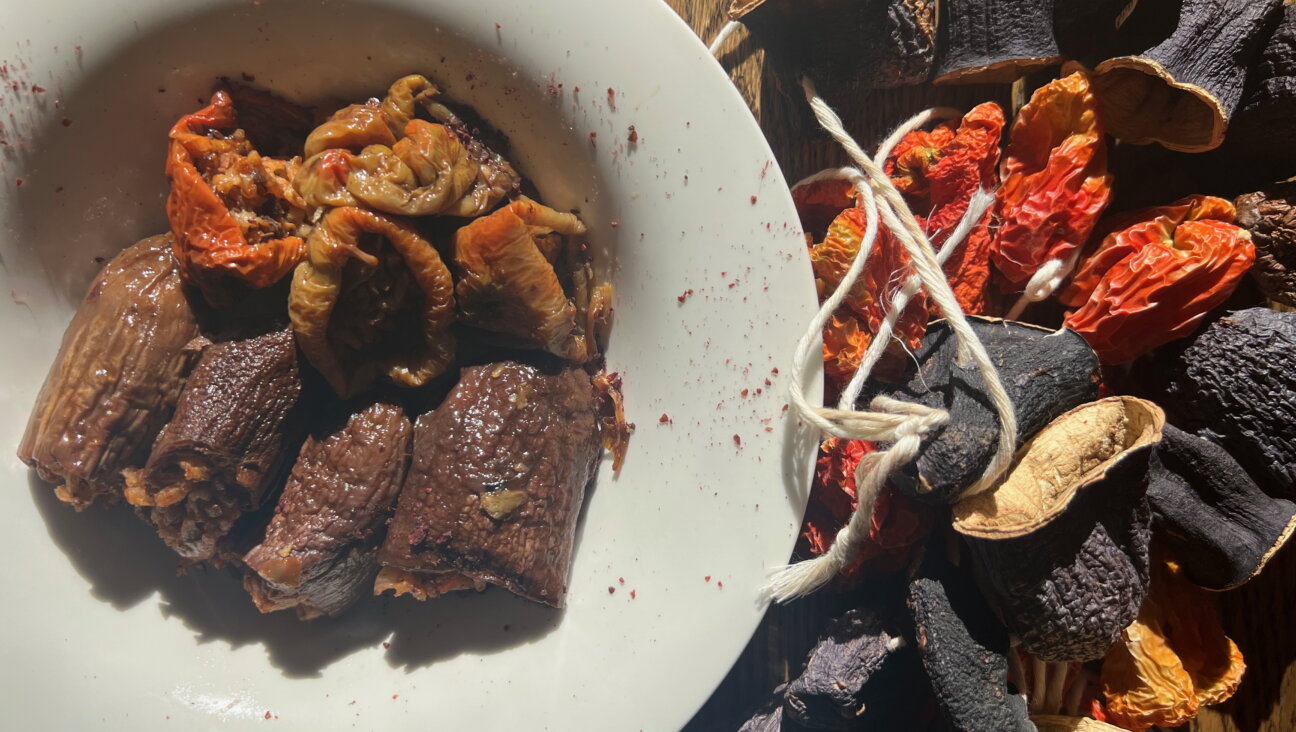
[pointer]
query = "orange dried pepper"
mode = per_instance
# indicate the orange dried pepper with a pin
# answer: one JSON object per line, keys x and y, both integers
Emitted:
{"x": 937, "y": 171}
{"x": 234, "y": 213}
{"x": 1171, "y": 661}
{"x": 1055, "y": 179}
{"x": 818, "y": 203}
{"x": 899, "y": 523}
{"x": 1153, "y": 281}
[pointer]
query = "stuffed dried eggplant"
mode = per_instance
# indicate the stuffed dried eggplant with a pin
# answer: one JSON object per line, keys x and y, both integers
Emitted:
{"x": 116, "y": 378}
{"x": 1062, "y": 541}
{"x": 320, "y": 549}
{"x": 497, "y": 480}
{"x": 237, "y": 220}
{"x": 507, "y": 283}
{"x": 373, "y": 299}
{"x": 235, "y": 427}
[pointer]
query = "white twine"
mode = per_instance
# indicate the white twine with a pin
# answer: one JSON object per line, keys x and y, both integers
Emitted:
{"x": 903, "y": 424}
{"x": 1044, "y": 282}
{"x": 725, "y": 31}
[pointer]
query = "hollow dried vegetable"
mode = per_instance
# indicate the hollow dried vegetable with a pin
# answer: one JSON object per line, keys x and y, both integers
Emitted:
{"x": 937, "y": 171}
{"x": 236, "y": 218}
{"x": 1055, "y": 180}
{"x": 1172, "y": 660}
{"x": 373, "y": 298}
{"x": 899, "y": 523}
{"x": 1155, "y": 280}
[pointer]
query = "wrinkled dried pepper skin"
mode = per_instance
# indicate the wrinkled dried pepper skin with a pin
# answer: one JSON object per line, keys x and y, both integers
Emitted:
{"x": 211, "y": 244}
{"x": 1172, "y": 660}
{"x": 116, "y": 378}
{"x": 1055, "y": 180}
{"x": 1270, "y": 217}
{"x": 1155, "y": 281}
{"x": 319, "y": 297}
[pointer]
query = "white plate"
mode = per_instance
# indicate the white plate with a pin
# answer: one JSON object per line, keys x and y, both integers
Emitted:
{"x": 100, "y": 633}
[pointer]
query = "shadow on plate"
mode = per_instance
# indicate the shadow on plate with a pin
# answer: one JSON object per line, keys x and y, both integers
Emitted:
{"x": 126, "y": 564}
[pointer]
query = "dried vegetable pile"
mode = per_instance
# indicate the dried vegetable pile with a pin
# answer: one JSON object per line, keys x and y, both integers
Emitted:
{"x": 362, "y": 360}
{"x": 1146, "y": 351}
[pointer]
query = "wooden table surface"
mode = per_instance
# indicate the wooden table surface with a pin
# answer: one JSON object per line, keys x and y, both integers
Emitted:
{"x": 1259, "y": 616}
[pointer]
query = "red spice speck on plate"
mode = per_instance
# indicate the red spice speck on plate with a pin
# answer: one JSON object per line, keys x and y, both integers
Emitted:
{"x": 611, "y": 589}
{"x": 67, "y": 122}
{"x": 665, "y": 419}
{"x": 386, "y": 644}
{"x": 737, "y": 440}
{"x": 38, "y": 89}
{"x": 720, "y": 584}
{"x": 621, "y": 580}
{"x": 753, "y": 200}
{"x": 744, "y": 392}
{"x": 616, "y": 224}
{"x": 19, "y": 181}
{"x": 497, "y": 27}
{"x": 267, "y": 715}
{"x": 396, "y": 696}
{"x": 632, "y": 594}
{"x": 685, "y": 295}
{"x": 634, "y": 137}
{"x": 707, "y": 578}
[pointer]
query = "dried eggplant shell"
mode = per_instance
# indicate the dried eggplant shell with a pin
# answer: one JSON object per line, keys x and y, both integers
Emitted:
{"x": 1062, "y": 541}
{"x": 236, "y": 428}
{"x": 1044, "y": 372}
{"x": 1221, "y": 527}
{"x": 116, "y": 378}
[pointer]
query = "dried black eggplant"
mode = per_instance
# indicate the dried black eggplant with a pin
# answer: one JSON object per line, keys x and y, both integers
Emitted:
{"x": 861, "y": 674}
{"x": 965, "y": 650}
{"x": 1044, "y": 372}
{"x": 1061, "y": 541}
{"x": 236, "y": 426}
{"x": 994, "y": 41}
{"x": 1270, "y": 217}
{"x": 1083, "y": 27}
{"x": 1234, "y": 383}
{"x": 116, "y": 378}
{"x": 1221, "y": 527}
{"x": 320, "y": 551}
{"x": 1182, "y": 92}
{"x": 1263, "y": 131}
{"x": 892, "y": 42}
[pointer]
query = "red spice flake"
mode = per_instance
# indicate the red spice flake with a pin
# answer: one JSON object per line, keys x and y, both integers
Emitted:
{"x": 611, "y": 589}
{"x": 785, "y": 407}
{"x": 768, "y": 429}
{"x": 621, "y": 580}
{"x": 683, "y": 296}
{"x": 19, "y": 181}
{"x": 395, "y": 696}
{"x": 612, "y": 98}
{"x": 351, "y": 703}
{"x": 634, "y": 137}
{"x": 67, "y": 122}
{"x": 616, "y": 224}
{"x": 497, "y": 27}
{"x": 386, "y": 644}
{"x": 593, "y": 136}
{"x": 553, "y": 90}
{"x": 737, "y": 440}
{"x": 576, "y": 90}
{"x": 707, "y": 578}
{"x": 267, "y": 715}
{"x": 632, "y": 594}
{"x": 743, "y": 392}
{"x": 768, "y": 382}
{"x": 720, "y": 584}
{"x": 38, "y": 89}
{"x": 753, "y": 200}
{"x": 774, "y": 370}
{"x": 665, "y": 419}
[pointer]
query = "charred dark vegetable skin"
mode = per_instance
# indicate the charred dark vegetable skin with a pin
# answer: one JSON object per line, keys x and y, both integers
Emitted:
{"x": 1044, "y": 372}
{"x": 1264, "y": 128}
{"x": 1218, "y": 523}
{"x": 1270, "y": 216}
{"x": 984, "y": 41}
{"x": 964, "y": 648}
{"x": 320, "y": 550}
{"x": 1234, "y": 382}
{"x": 1183, "y": 91}
{"x": 235, "y": 427}
{"x": 497, "y": 480}
{"x": 116, "y": 378}
{"x": 892, "y": 41}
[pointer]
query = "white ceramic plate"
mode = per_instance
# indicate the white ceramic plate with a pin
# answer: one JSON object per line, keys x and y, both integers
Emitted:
{"x": 100, "y": 632}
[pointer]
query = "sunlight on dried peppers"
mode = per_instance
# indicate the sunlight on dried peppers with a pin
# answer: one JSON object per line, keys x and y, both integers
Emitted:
{"x": 1155, "y": 278}
{"x": 1055, "y": 180}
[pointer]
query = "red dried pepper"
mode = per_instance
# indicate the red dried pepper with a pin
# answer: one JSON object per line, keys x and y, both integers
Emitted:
{"x": 898, "y": 524}
{"x": 1055, "y": 180}
{"x": 937, "y": 171}
{"x": 819, "y": 202}
{"x": 233, "y": 212}
{"x": 1153, "y": 281}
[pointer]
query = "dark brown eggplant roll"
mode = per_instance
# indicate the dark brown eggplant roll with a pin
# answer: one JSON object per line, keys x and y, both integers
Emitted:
{"x": 497, "y": 480}
{"x": 116, "y": 378}
{"x": 235, "y": 425}
{"x": 320, "y": 550}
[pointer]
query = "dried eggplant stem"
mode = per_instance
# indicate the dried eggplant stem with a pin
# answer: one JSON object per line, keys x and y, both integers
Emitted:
{"x": 1062, "y": 542}
{"x": 116, "y": 378}
{"x": 994, "y": 41}
{"x": 1182, "y": 92}
{"x": 893, "y": 42}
